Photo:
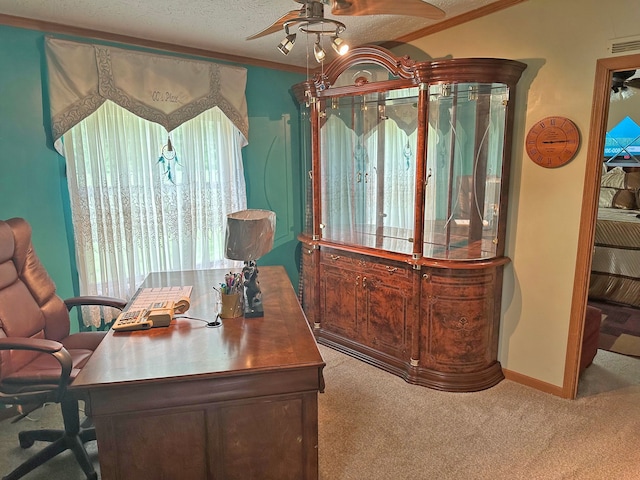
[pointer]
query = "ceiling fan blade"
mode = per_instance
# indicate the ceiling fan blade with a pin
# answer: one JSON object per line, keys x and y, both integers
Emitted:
{"x": 412, "y": 8}
{"x": 633, "y": 82}
{"x": 278, "y": 25}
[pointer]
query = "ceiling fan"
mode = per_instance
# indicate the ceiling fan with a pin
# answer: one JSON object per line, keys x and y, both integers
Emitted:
{"x": 312, "y": 12}
{"x": 622, "y": 81}
{"x": 624, "y": 84}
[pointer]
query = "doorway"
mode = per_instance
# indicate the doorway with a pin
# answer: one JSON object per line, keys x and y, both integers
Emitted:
{"x": 595, "y": 148}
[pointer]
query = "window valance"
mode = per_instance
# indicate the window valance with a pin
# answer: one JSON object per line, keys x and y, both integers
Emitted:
{"x": 160, "y": 88}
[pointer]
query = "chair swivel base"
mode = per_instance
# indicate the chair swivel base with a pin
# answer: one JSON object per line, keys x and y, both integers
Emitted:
{"x": 61, "y": 441}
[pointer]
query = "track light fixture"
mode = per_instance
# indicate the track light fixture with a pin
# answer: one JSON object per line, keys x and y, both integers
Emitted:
{"x": 339, "y": 45}
{"x": 314, "y": 23}
{"x": 318, "y": 51}
{"x": 286, "y": 45}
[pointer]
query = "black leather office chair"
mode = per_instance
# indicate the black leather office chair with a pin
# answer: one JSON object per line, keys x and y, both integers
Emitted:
{"x": 38, "y": 356}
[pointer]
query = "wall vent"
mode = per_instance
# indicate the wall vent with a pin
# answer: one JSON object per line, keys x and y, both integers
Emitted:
{"x": 624, "y": 46}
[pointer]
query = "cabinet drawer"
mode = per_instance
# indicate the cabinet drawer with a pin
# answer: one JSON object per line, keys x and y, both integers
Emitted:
{"x": 338, "y": 259}
{"x": 385, "y": 270}
{"x": 464, "y": 284}
{"x": 391, "y": 270}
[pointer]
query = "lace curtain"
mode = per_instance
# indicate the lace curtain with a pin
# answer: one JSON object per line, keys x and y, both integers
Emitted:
{"x": 129, "y": 219}
{"x": 140, "y": 202}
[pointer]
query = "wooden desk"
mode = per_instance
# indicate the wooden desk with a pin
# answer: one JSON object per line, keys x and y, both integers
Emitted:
{"x": 195, "y": 402}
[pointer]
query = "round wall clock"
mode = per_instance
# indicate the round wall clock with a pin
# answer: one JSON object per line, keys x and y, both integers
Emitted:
{"x": 553, "y": 141}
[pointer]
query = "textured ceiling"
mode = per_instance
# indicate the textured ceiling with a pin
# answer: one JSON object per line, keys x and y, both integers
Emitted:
{"x": 221, "y": 26}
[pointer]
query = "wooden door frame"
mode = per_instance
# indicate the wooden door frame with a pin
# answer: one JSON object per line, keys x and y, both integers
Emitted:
{"x": 597, "y": 131}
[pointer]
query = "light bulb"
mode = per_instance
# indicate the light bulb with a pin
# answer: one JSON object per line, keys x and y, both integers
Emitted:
{"x": 319, "y": 52}
{"x": 339, "y": 45}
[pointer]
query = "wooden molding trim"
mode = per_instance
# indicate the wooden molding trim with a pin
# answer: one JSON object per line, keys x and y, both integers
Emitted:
{"x": 60, "y": 29}
{"x": 533, "y": 383}
{"x": 455, "y": 21}
{"x": 597, "y": 130}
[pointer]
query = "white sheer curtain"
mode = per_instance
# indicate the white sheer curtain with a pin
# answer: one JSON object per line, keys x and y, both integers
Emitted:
{"x": 399, "y": 170}
{"x": 339, "y": 172}
{"x": 129, "y": 218}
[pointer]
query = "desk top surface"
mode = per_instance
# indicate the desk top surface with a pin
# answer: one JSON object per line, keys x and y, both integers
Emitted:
{"x": 282, "y": 339}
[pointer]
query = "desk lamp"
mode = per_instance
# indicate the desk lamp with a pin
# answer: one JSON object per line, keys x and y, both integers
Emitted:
{"x": 249, "y": 236}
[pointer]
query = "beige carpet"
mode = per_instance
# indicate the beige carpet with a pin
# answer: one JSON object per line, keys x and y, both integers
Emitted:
{"x": 375, "y": 426}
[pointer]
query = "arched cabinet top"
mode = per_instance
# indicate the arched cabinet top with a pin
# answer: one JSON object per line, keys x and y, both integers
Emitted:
{"x": 400, "y": 67}
{"x": 409, "y": 72}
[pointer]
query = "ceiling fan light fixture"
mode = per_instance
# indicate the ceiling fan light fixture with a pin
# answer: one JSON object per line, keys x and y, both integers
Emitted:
{"x": 286, "y": 45}
{"x": 339, "y": 45}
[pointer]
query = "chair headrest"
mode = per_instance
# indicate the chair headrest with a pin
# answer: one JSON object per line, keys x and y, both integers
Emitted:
{"x": 7, "y": 242}
{"x": 22, "y": 242}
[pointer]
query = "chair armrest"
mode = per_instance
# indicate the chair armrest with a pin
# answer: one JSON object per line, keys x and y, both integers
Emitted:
{"x": 50, "y": 347}
{"x": 34, "y": 344}
{"x": 95, "y": 300}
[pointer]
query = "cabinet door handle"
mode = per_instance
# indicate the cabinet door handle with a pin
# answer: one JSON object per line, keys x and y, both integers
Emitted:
{"x": 359, "y": 177}
{"x": 426, "y": 276}
{"x": 392, "y": 269}
{"x": 357, "y": 280}
{"x": 364, "y": 282}
{"x": 366, "y": 177}
{"x": 335, "y": 257}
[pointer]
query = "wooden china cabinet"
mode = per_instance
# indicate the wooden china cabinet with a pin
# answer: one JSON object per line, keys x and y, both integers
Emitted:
{"x": 403, "y": 245}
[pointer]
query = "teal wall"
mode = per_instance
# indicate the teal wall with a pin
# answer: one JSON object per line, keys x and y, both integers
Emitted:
{"x": 32, "y": 174}
{"x": 272, "y": 160}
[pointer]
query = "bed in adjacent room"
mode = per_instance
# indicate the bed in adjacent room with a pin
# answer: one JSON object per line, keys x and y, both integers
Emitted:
{"x": 615, "y": 267}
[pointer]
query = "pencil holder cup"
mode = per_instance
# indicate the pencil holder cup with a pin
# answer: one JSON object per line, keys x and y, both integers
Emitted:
{"x": 231, "y": 305}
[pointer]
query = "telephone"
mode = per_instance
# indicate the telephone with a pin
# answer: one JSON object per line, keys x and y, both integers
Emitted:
{"x": 158, "y": 314}
{"x": 181, "y": 305}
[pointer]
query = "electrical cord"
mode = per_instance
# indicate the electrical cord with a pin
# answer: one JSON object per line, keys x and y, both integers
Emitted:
{"x": 35, "y": 418}
{"x": 210, "y": 324}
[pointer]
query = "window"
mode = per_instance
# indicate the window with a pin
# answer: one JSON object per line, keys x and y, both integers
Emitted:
{"x": 129, "y": 217}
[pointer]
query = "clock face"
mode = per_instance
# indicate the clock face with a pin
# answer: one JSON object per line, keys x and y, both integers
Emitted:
{"x": 552, "y": 142}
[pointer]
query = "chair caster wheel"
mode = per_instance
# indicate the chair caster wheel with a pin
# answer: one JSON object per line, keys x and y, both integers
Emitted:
{"x": 25, "y": 442}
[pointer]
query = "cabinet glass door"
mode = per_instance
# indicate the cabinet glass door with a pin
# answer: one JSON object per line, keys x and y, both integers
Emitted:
{"x": 368, "y": 161}
{"x": 464, "y": 168}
